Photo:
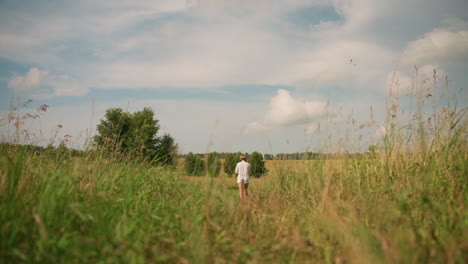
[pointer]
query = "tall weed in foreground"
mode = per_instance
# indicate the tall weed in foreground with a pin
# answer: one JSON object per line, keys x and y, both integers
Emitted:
{"x": 89, "y": 209}
{"x": 403, "y": 203}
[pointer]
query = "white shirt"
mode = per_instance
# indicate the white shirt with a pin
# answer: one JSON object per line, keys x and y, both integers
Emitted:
{"x": 243, "y": 170}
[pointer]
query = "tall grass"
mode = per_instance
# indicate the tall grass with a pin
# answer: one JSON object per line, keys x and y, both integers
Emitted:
{"x": 405, "y": 203}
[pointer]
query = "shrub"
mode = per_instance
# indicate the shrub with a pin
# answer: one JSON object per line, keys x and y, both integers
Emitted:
{"x": 135, "y": 134}
{"x": 167, "y": 151}
{"x": 230, "y": 162}
{"x": 194, "y": 165}
{"x": 258, "y": 165}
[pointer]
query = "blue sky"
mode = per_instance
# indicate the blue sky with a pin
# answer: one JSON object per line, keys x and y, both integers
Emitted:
{"x": 225, "y": 75}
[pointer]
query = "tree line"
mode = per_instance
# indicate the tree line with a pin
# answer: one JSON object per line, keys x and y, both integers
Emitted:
{"x": 314, "y": 156}
{"x": 40, "y": 150}
{"x": 291, "y": 156}
{"x": 210, "y": 164}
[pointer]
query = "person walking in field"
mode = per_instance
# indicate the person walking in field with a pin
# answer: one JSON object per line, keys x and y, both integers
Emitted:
{"x": 243, "y": 177}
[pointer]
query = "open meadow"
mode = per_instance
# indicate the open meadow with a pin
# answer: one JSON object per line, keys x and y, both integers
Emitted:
{"x": 403, "y": 201}
{"x": 123, "y": 124}
{"x": 386, "y": 208}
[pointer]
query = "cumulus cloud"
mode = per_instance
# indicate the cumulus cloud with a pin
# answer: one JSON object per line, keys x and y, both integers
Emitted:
{"x": 62, "y": 85}
{"x": 210, "y": 44}
{"x": 438, "y": 46}
{"x": 239, "y": 52}
{"x": 285, "y": 111}
{"x": 141, "y": 44}
{"x": 33, "y": 78}
{"x": 65, "y": 85}
{"x": 340, "y": 62}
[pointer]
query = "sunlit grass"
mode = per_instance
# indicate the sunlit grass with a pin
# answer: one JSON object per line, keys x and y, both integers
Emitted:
{"x": 65, "y": 209}
{"x": 405, "y": 203}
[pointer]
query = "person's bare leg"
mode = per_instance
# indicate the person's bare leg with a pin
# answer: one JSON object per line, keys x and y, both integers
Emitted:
{"x": 241, "y": 190}
{"x": 246, "y": 188}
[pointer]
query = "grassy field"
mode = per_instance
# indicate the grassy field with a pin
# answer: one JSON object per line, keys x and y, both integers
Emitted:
{"x": 391, "y": 208}
{"x": 403, "y": 203}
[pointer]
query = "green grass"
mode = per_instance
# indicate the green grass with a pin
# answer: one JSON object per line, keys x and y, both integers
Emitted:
{"x": 405, "y": 203}
{"x": 386, "y": 209}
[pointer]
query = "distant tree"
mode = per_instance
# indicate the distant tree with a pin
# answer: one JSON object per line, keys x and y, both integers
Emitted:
{"x": 310, "y": 155}
{"x": 230, "y": 162}
{"x": 213, "y": 164}
{"x": 258, "y": 165}
{"x": 142, "y": 135}
{"x": 166, "y": 151}
{"x": 194, "y": 165}
{"x": 268, "y": 156}
{"x": 112, "y": 131}
{"x": 135, "y": 134}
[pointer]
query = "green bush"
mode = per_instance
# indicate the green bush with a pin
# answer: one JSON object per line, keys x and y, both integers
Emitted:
{"x": 166, "y": 151}
{"x": 194, "y": 165}
{"x": 258, "y": 165}
{"x": 230, "y": 162}
{"x": 135, "y": 134}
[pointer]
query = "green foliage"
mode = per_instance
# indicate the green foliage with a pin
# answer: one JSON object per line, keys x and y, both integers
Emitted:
{"x": 167, "y": 151}
{"x": 142, "y": 134}
{"x": 257, "y": 165}
{"x": 230, "y": 162}
{"x": 213, "y": 164}
{"x": 194, "y": 165}
{"x": 113, "y": 130}
{"x": 135, "y": 134}
{"x": 297, "y": 156}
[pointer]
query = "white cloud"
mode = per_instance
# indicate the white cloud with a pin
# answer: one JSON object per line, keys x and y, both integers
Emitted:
{"x": 215, "y": 55}
{"x": 159, "y": 6}
{"x": 37, "y": 37}
{"x": 240, "y": 52}
{"x": 223, "y": 43}
{"x": 399, "y": 82}
{"x": 207, "y": 44}
{"x": 438, "y": 46}
{"x": 285, "y": 111}
{"x": 32, "y": 79}
{"x": 345, "y": 62}
{"x": 62, "y": 85}
{"x": 358, "y": 13}
{"x": 212, "y": 43}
